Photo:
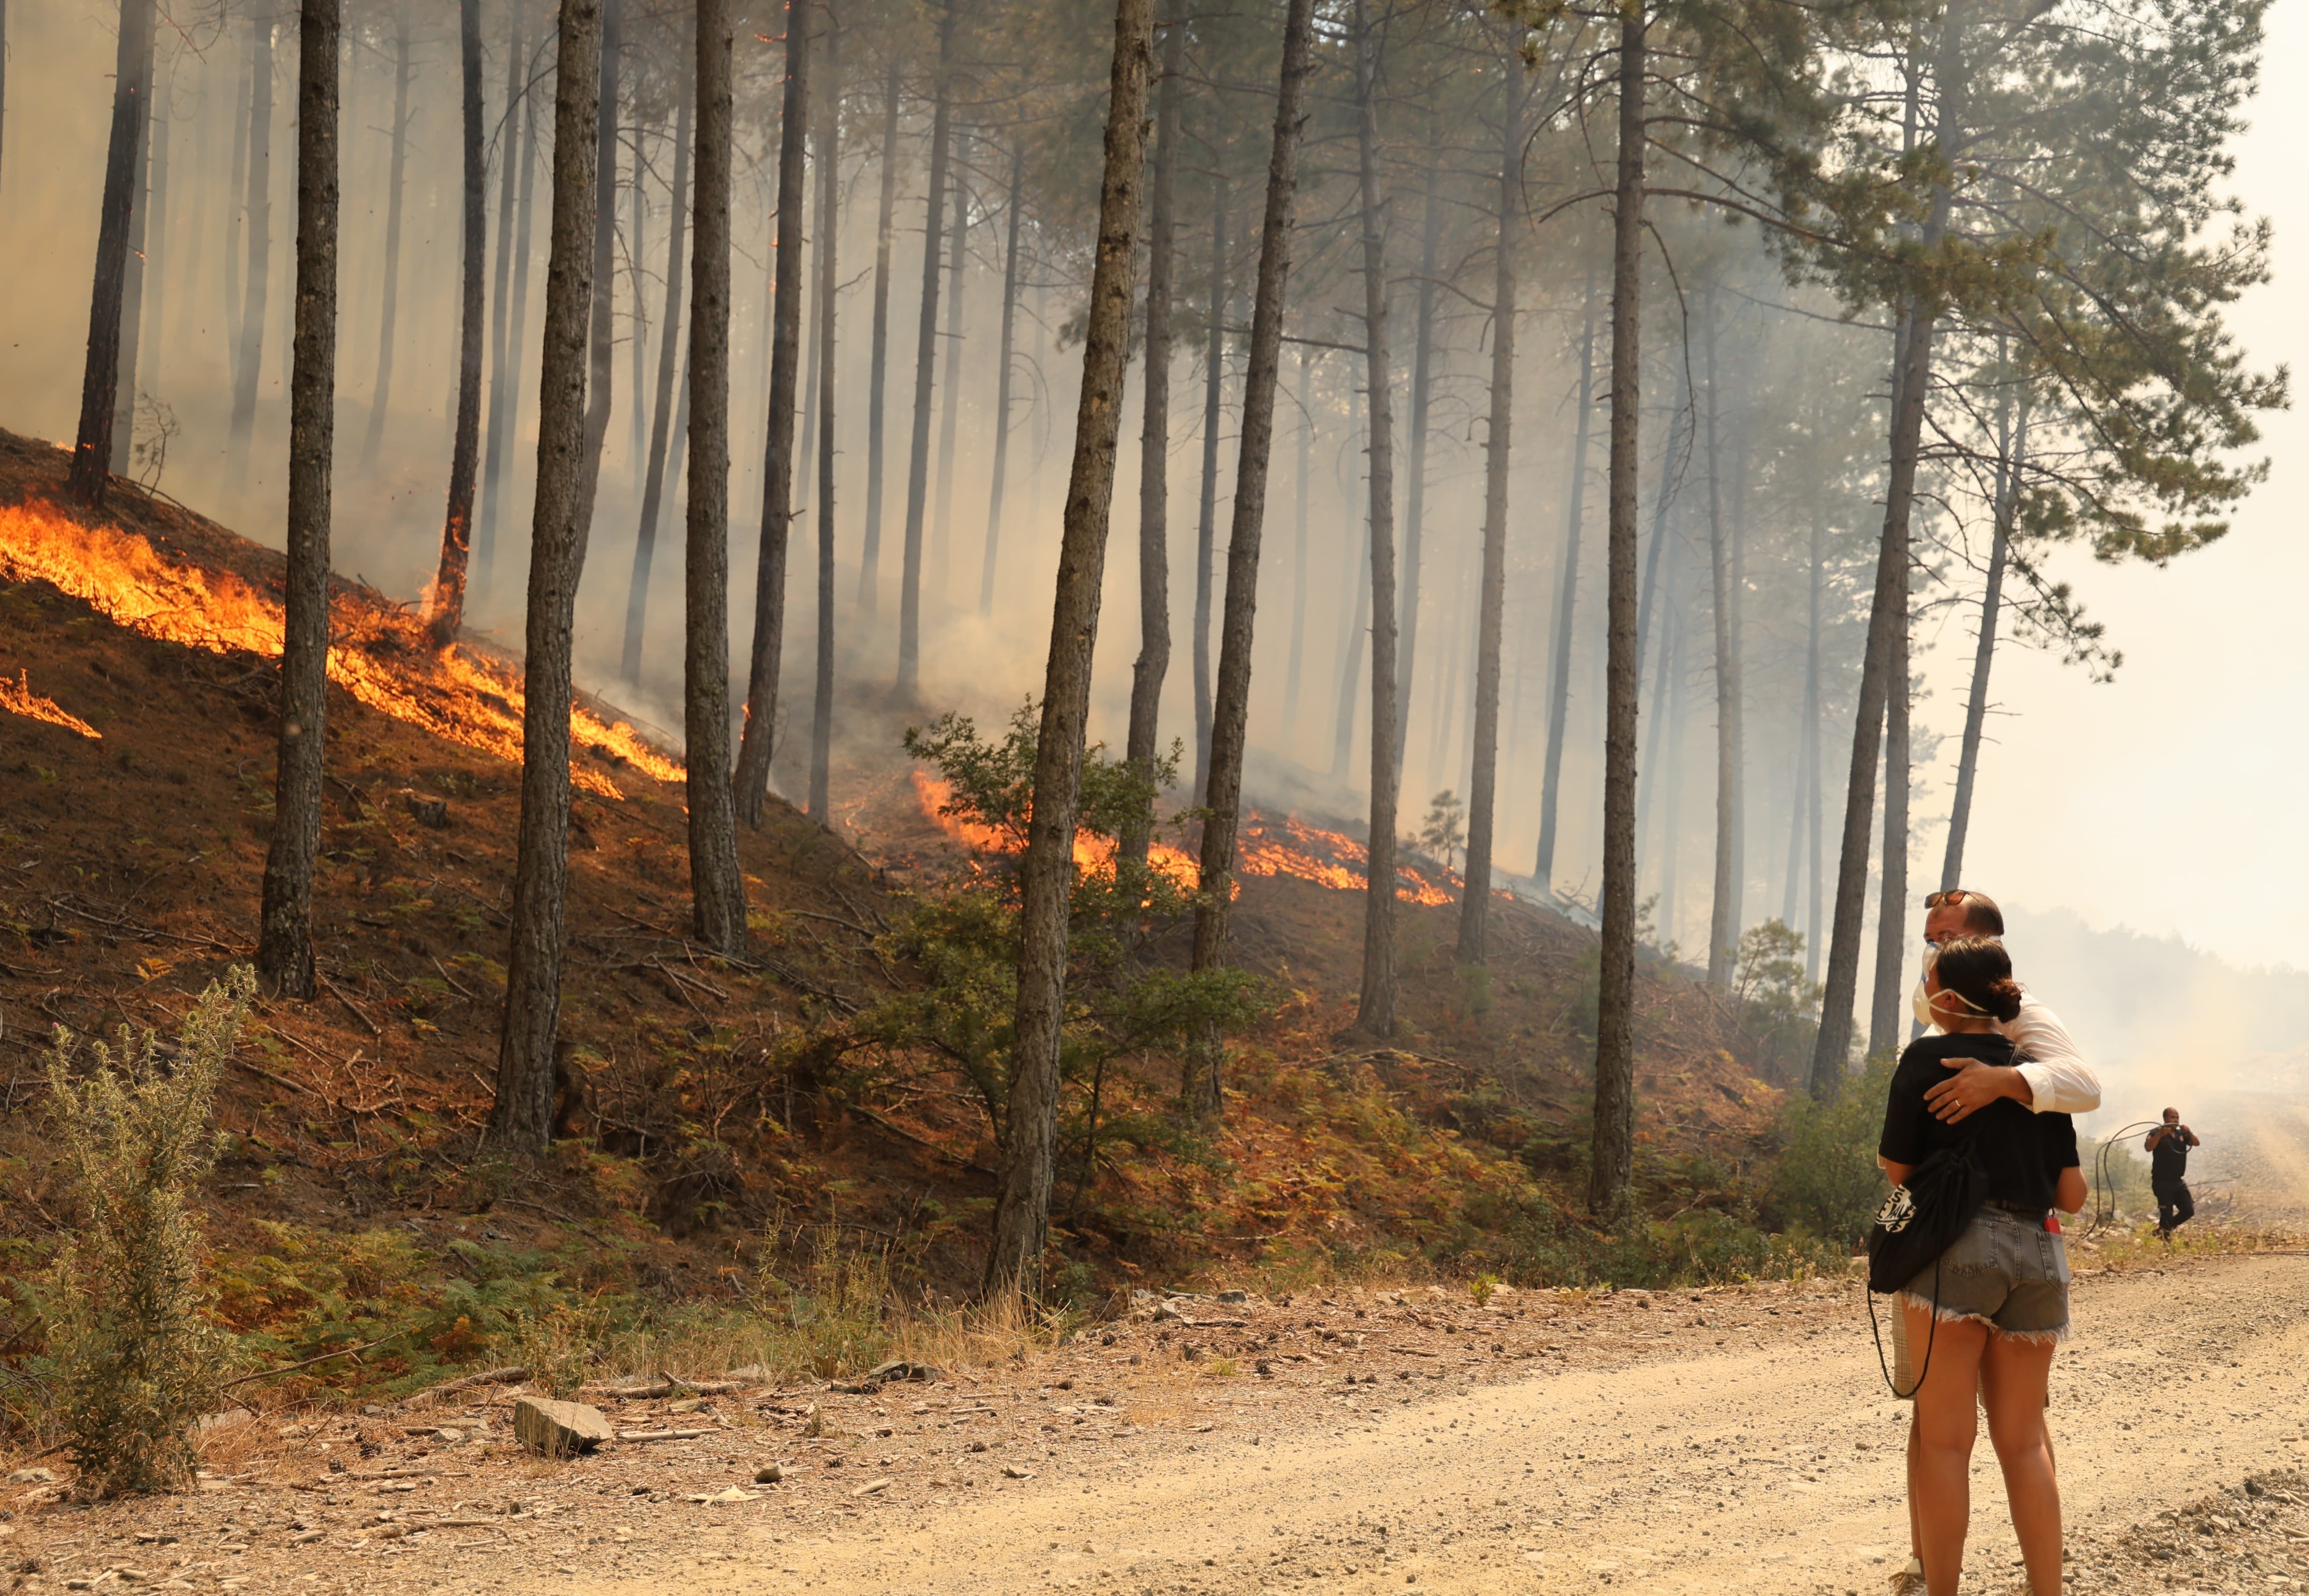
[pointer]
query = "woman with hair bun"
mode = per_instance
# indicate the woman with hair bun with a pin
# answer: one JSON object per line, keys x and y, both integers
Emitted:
{"x": 1986, "y": 1315}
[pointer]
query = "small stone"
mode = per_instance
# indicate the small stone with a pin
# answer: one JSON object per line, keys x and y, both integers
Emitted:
{"x": 1235, "y": 1297}
{"x": 732, "y": 1493}
{"x": 1012, "y": 1471}
{"x": 33, "y": 1477}
{"x": 770, "y": 1475}
{"x": 557, "y": 1429}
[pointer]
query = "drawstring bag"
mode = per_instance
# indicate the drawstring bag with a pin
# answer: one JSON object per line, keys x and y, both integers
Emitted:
{"x": 1918, "y": 1223}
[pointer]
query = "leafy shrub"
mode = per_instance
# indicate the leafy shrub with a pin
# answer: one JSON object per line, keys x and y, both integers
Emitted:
{"x": 136, "y": 1364}
{"x": 1825, "y": 1181}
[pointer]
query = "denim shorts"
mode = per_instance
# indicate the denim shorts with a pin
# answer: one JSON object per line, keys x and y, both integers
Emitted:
{"x": 2006, "y": 1271}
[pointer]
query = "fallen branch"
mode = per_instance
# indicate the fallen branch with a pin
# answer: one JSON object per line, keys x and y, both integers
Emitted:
{"x": 321, "y": 1357}
{"x": 512, "y": 1374}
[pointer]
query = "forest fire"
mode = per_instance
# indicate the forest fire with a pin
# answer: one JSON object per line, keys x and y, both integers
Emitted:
{"x": 380, "y": 655}
{"x": 1284, "y": 847}
{"x": 18, "y": 697}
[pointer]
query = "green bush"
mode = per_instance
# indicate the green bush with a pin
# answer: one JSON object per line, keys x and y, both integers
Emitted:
{"x": 1825, "y": 1181}
{"x": 136, "y": 1364}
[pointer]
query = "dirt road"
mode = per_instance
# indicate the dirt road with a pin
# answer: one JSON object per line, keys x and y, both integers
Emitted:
{"x": 1735, "y": 1440}
{"x": 1753, "y": 1469}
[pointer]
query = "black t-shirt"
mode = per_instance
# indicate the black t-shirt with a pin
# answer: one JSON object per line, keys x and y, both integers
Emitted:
{"x": 2170, "y": 1158}
{"x": 2022, "y": 1152}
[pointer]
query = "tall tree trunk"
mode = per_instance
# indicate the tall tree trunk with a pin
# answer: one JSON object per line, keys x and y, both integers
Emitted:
{"x": 504, "y": 368}
{"x": 1154, "y": 660}
{"x": 1610, "y": 1193}
{"x": 918, "y": 457}
{"x": 131, "y": 288}
{"x": 1567, "y": 603}
{"x": 101, "y": 379}
{"x": 753, "y": 751}
{"x": 1343, "y": 728}
{"x": 521, "y": 1121}
{"x": 601, "y": 346}
{"x": 635, "y": 345}
{"x": 717, "y": 891}
{"x": 878, "y": 381}
{"x": 1206, "y": 523}
{"x": 1231, "y": 710}
{"x": 1415, "y": 507}
{"x": 1022, "y": 1212}
{"x": 1491, "y": 623}
{"x": 829, "y": 216}
{"x": 629, "y": 664}
{"x": 237, "y": 195}
{"x": 1297, "y": 652}
{"x": 1887, "y": 609}
{"x": 1807, "y": 773}
{"x": 285, "y": 945}
{"x": 260, "y": 244}
{"x": 446, "y": 599}
{"x": 950, "y": 410}
{"x": 2012, "y": 452}
{"x": 1724, "y": 903}
{"x": 156, "y": 309}
{"x": 1813, "y": 742}
{"x": 1002, "y": 382}
{"x": 380, "y": 399}
{"x": 1676, "y": 673}
{"x": 3, "y": 74}
{"x": 1892, "y": 904}
{"x": 1375, "y": 1007}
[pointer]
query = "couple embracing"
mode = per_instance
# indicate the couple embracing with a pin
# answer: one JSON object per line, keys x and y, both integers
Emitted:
{"x": 1978, "y": 1116}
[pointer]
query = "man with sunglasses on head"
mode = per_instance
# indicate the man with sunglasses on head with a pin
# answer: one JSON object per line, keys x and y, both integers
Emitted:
{"x": 2051, "y": 1075}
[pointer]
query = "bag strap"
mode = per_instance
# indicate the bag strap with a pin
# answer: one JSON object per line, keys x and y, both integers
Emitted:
{"x": 1931, "y": 1337}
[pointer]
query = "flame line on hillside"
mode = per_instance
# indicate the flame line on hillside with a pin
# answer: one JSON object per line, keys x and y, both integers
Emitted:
{"x": 18, "y": 696}
{"x": 378, "y": 653}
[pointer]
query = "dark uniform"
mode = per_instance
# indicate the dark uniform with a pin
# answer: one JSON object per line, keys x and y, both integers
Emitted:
{"x": 2169, "y": 1165}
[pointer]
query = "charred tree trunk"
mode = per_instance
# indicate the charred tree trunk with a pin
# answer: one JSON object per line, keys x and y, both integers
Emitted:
{"x": 447, "y": 600}
{"x": 1230, "y": 709}
{"x": 1292, "y": 669}
{"x": 754, "y": 748}
{"x": 1611, "y": 1174}
{"x": 504, "y": 363}
{"x": 1567, "y": 605}
{"x": 717, "y": 890}
{"x": 1021, "y": 1213}
{"x": 601, "y": 346}
{"x": 260, "y": 243}
{"x": 629, "y": 664}
{"x": 2012, "y": 453}
{"x": 918, "y": 456}
{"x": 1375, "y": 1008}
{"x": 878, "y": 381}
{"x": 1491, "y": 622}
{"x": 1724, "y": 903}
{"x": 101, "y": 380}
{"x": 284, "y": 946}
{"x": 522, "y": 1119}
{"x": 1206, "y": 522}
{"x": 380, "y": 399}
{"x": 1415, "y": 507}
{"x": 1002, "y": 383}
{"x": 829, "y": 216}
{"x": 131, "y": 288}
{"x": 1154, "y": 660}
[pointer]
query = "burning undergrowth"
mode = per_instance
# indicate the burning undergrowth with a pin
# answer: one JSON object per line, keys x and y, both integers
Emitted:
{"x": 712, "y": 1103}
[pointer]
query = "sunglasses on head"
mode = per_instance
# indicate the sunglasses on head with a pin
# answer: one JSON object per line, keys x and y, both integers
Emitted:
{"x": 1953, "y": 898}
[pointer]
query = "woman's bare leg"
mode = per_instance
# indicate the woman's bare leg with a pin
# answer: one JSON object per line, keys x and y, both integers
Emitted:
{"x": 1940, "y": 1464}
{"x": 2013, "y": 1375}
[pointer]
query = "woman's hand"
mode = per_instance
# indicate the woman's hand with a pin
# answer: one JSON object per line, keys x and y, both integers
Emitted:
{"x": 2071, "y": 1191}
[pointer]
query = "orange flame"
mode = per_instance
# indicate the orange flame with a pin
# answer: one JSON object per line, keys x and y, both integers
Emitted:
{"x": 18, "y": 696}
{"x": 1287, "y": 847}
{"x": 378, "y": 653}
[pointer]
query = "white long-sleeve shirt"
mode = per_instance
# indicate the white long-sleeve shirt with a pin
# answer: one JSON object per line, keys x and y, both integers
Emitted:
{"x": 2059, "y": 1080}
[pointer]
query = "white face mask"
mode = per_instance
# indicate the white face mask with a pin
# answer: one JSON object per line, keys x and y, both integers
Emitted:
{"x": 1920, "y": 1004}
